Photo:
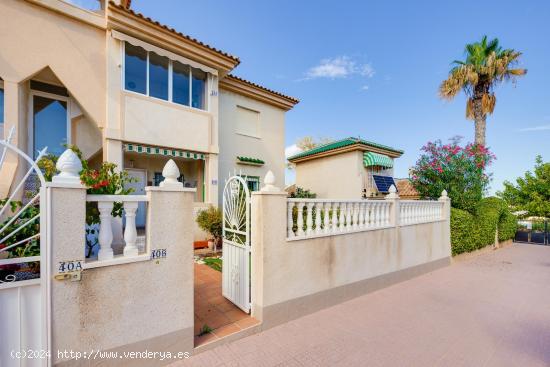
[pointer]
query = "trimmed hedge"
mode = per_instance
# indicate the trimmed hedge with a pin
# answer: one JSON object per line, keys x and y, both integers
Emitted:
{"x": 470, "y": 232}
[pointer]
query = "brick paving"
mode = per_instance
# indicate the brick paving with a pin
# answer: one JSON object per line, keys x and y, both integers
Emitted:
{"x": 491, "y": 310}
{"x": 213, "y": 309}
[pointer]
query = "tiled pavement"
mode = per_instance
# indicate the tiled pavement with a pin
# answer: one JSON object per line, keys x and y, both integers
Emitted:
{"x": 214, "y": 310}
{"x": 491, "y": 310}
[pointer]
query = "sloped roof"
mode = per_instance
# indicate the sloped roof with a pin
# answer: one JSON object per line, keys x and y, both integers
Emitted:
{"x": 405, "y": 188}
{"x": 291, "y": 99}
{"x": 126, "y": 8}
{"x": 341, "y": 144}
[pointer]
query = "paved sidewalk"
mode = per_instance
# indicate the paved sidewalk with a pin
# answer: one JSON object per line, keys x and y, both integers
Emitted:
{"x": 492, "y": 310}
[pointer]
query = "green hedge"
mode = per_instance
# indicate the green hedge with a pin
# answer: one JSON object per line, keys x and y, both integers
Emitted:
{"x": 470, "y": 232}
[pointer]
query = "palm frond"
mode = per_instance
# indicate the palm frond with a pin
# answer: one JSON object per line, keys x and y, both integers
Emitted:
{"x": 488, "y": 102}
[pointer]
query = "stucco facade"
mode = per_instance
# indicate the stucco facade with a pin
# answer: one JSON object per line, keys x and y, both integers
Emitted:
{"x": 81, "y": 55}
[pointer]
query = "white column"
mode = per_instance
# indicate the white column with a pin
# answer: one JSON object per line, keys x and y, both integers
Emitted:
{"x": 318, "y": 211}
{"x": 342, "y": 217}
{"x": 290, "y": 221}
{"x": 300, "y": 221}
{"x": 130, "y": 232}
{"x": 326, "y": 219}
{"x": 105, "y": 231}
{"x": 309, "y": 218}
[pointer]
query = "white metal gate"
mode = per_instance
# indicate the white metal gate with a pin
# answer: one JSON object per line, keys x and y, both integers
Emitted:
{"x": 236, "y": 242}
{"x": 23, "y": 266}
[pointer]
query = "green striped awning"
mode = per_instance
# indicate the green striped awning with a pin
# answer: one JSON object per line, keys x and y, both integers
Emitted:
{"x": 374, "y": 159}
{"x": 167, "y": 152}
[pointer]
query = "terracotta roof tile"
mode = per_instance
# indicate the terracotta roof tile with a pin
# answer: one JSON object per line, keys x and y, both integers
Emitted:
{"x": 405, "y": 188}
{"x": 172, "y": 30}
{"x": 231, "y": 76}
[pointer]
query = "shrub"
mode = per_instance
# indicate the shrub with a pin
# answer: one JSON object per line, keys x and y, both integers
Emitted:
{"x": 210, "y": 221}
{"x": 459, "y": 170}
{"x": 470, "y": 232}
{"x": 302, "y": 193}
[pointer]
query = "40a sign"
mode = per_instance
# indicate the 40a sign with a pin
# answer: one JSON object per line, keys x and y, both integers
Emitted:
{"x": 68, "y": 266}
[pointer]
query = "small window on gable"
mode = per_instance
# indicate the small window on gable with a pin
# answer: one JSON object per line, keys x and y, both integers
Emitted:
{"x": 248, "y": 122}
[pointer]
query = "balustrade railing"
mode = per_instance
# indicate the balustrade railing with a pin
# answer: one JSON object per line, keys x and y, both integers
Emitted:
{"x": 420, "y": 211}
{"x": 105, "y": 205}
{"x": 320, "y": 217}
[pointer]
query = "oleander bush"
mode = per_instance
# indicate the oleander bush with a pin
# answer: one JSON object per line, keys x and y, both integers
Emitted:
{"x": 470, "y": 232}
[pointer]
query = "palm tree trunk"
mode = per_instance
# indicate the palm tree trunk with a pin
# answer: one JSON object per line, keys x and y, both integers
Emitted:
{"x": 480, "y": 118}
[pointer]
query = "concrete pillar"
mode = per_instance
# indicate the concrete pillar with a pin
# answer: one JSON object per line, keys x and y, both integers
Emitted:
{"x": 143, "y": 304}
{"x": 447, "y": 215}
{"x": 211, "y": 177}
{"x": 268, "y": 234}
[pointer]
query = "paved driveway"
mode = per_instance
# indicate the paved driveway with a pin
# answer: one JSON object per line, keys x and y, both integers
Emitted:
{"x": 492, "y": 310}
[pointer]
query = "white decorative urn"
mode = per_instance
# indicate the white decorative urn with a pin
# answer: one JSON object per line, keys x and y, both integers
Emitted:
{"x": 69, "y": 167}
{"x": 171, "y": 173}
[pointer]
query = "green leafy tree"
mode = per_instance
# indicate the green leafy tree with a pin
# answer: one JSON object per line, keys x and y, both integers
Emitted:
{"x": 531, "y": 192}
{"x": 459, "y": 170}
{"x": 486, "y": 65}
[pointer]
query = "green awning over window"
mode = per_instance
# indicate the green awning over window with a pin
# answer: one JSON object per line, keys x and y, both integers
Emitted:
{"x": 374, "y": 159}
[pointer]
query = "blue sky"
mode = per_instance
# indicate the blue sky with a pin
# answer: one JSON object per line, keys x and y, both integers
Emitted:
{"x": 372, "y": 68}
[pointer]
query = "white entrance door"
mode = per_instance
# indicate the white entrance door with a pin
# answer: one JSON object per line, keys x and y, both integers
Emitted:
{"x": 24, "y": 270}
{"x": 140, "y": 176}
{"x": 236, "y": 243}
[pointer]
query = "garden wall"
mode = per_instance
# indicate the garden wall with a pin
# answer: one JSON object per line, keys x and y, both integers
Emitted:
{"x": 292, "y": 278}
{"x": 142, "y": 305}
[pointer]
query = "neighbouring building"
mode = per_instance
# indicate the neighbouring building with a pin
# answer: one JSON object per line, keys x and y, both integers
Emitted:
{"x": 129, "y": 90}
{"x": 349, "y": 168}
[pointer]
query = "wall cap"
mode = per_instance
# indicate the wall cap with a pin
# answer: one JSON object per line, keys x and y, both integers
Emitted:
{"x": 169, "y": 189}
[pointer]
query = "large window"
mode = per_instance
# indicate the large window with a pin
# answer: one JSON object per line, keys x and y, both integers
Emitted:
{"x": 180, "y": 83}
{"x": 135, "y": 69}
{"x": 49, "y": 124}
{"x": 198, "y": 89}
{"x": 157, "y": 76}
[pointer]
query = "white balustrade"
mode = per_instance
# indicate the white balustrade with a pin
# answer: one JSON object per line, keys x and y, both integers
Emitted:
{"x": 105, "y": 204}
{"x": 420, "y": 211}
{"x": 320, "y": 217}
{"x": 308, "y": 218}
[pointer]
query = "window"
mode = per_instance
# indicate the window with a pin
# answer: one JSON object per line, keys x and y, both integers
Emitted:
{"x": 248, "y": 122}
{"x": 253, "y": 183}
{"x": 158, "y": 76}
{"x": 180, "y": 83}
{"x": 49, "y": 124}
{"x": 135, "y": 69}
{"x": 198, "y": 89}
{"x": 148, "y": 73}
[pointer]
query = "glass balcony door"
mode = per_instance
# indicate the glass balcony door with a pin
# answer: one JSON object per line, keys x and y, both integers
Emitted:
{"x": 49, "y": 123}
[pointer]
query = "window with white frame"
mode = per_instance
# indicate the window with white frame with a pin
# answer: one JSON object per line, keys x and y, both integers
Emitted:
{"x": 157, "y": 76}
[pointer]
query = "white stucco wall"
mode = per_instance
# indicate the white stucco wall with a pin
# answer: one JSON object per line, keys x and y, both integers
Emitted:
{"x": 293, "y": 278}
{"x": 268, "y": 146}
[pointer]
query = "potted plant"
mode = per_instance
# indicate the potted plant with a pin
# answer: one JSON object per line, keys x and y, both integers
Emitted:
{"x": 210, "y": 221}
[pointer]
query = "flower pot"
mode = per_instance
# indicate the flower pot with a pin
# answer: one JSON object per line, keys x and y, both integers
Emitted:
{"x": 210, "y": 244}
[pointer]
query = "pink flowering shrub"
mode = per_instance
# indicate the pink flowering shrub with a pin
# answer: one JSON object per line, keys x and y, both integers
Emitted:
{"x": 459, "y": 170}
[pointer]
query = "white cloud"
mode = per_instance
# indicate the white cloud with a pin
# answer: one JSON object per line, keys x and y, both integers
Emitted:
{"x": 292, "y": 150}
{"x": 339, "y": 67}
{"x": 365, "y": 87}
{"x": 536, "y": 128}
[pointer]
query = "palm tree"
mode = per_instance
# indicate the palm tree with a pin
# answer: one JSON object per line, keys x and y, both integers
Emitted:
{"x": 486, "y": 65}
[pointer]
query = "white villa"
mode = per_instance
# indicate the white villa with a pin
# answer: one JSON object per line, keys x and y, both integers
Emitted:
{"x": 131, "y": 91}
